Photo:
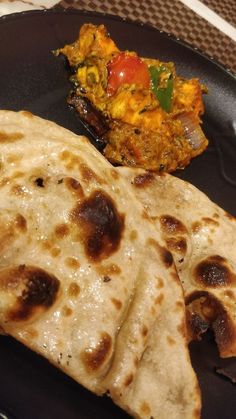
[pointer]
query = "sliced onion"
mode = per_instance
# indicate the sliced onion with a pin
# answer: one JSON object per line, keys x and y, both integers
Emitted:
{"x": 193, "y": 132}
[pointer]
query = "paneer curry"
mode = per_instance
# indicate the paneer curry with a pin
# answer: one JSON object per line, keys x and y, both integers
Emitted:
{"x": 146, "y": 115}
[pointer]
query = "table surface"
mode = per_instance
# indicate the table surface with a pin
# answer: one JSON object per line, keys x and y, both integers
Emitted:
{"x": 174, "y": 17}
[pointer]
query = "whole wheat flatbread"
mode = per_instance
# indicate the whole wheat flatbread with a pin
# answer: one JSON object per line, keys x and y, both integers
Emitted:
{"x": 201, "y": 236}
{"x": 85, "y": 278}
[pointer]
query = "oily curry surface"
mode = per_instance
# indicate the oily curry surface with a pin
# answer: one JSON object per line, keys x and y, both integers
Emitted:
{"x": 146, "y": 115}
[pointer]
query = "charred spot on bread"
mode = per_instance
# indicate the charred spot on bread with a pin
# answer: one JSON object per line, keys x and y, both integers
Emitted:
{"x": 196, "y": 226}
{"x": 159, "y": 299}
{"x": 197, "y": 324}
{"x": 33, "y": 289}
{"x": 144, "y": 330}
{"x": 171, "y": 225}
{"x": 6, "y": 137}
{"x": 143, "y": 180}
{"x": 214, "y": 272}
{"x": 72, "y": 263}
{"x": 225, "y": 334}
{"x": 230, "y": 217}
{"x": 128, "y": 380}
{"x": 19, "y": 190}
{"x": 74, "y": 186}
{"x": 109, "y": 269}
{"x": 39, "y": 181}
{"x": 62, "y": 230}
{"x": 101, "y": 225}
{"x": 117, "y": 303}
{"x": 177, "y": 244}
{"x": 182, "y": 329}
{"x": 89, "y": 175}
{"x": 94, "y": 358}
{"x": 160, "y": 283}
{"x": 73, "y": 289}
{"x": 66, "y": 311}
{"x": 170, "y": 340}
{"x": 4, "y": 181}
{"x": 106, "y": 278}
{"x": 12, "y": 227}
{"x": 166, "y": 255}
{"x": 204, "y": 311}
{"x": 210, "y": 221}
{"x": 21, "y": 223}
{"x": 145, "y": 409}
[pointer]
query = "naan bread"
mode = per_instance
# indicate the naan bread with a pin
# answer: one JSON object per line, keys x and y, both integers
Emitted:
{"x": 201, "y": 236}
{"x": 85, "y": 278}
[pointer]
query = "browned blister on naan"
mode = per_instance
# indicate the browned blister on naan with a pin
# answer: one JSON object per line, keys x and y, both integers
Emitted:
{"x": 85, "y": 279}
{"x": 201, "y": 237}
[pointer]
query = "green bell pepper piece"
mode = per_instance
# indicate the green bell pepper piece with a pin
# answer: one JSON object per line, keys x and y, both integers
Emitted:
{"x": 164, "y": 95}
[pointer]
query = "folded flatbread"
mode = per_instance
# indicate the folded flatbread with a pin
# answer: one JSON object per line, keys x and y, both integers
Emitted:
{"x": 201, "y": 236}
{"x": 86, "y": 280}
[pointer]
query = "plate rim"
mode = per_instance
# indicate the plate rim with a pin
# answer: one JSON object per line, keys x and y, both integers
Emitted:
{"x": 57, "y": 9}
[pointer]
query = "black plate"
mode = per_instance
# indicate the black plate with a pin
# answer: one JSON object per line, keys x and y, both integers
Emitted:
{"x": 33, "y": 79}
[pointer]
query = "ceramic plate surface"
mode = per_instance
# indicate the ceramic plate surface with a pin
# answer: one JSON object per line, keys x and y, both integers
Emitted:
{"x": 33, "y": 79}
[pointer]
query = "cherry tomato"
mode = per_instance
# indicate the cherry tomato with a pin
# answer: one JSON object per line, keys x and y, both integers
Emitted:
{"x": 124, "y": 68}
